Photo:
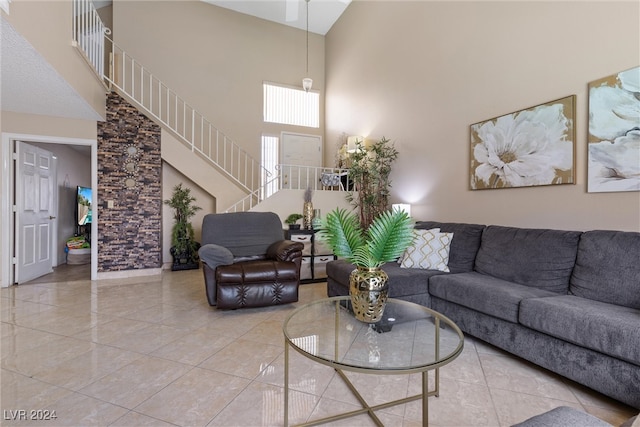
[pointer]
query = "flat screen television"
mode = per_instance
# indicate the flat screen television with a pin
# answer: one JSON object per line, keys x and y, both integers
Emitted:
{"x": 83, "y": 206}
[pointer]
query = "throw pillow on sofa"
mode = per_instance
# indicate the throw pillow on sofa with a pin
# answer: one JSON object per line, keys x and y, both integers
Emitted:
{"x": 429, "y": 250}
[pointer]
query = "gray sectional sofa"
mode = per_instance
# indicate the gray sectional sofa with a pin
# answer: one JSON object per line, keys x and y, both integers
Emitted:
{"x": 568, "y": 301}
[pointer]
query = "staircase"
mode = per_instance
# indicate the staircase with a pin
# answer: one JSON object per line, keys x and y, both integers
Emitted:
{"x": 119, "y": 71}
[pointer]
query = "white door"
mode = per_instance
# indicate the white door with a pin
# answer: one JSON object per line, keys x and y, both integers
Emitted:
{"x": 35, "y": 180}
{"x": 301, "y": 150}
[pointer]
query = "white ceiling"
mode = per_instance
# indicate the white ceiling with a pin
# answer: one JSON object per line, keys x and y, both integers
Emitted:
{"x": 29, "y": 84}
{"x": 322, "y": 13}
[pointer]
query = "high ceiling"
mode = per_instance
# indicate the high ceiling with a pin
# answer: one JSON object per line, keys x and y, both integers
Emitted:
{"x": 30, "y": 85}
{"x": 322, "y": 13}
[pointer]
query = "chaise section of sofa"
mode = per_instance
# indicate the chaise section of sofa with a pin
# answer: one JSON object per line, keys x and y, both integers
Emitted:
{"x": 600, "y": 314}
{"x": 564, "y": 300}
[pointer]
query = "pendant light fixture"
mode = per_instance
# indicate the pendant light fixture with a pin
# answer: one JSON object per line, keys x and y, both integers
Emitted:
{"x": 307, "y": 82}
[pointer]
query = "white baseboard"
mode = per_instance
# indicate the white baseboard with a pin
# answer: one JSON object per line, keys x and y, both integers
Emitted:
{"x": 129, "y": 273}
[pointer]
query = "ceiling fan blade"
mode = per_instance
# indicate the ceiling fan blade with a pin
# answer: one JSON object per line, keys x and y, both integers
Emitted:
{"x": 291, "y": 10}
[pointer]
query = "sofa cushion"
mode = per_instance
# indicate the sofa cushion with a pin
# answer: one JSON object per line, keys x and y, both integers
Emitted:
{"x": 402, "y": 281}
{"x": 563, "y": 416}
{"x": 464, "y": 245}
{"x": 429, "y": 250}
{"x": 486, "y": 294}
{"x": 607, "y": 328}
{"x": 608, "y": 268}
{"x": 531, "y": 257}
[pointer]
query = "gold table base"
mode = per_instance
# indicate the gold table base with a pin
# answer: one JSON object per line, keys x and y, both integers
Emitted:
{"x": 340, "y": 368}
{"x": 426, "y": 393}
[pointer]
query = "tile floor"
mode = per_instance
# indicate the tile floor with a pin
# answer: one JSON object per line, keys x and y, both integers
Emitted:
{"x": 150, "y": 352}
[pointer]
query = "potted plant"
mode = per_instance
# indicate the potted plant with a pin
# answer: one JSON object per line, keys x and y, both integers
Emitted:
{"x": 369, "y": 171}
{"x": 184, "y": 248}
{"x": 383, "y": 241}
{"x": 292, "y": 219}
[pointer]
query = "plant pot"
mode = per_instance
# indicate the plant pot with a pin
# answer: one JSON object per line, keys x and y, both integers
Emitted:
{"x": 185, "y": 260}
{"x": 294, "y": 226}
{"x": 368, "y": 289}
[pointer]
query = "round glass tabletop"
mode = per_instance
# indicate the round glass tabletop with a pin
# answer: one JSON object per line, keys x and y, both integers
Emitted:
{"x": 409, "y": 338}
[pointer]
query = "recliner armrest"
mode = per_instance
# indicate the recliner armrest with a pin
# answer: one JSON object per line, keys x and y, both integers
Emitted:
{"x": 285, "y": 250}
{"x": 215, "y": 255}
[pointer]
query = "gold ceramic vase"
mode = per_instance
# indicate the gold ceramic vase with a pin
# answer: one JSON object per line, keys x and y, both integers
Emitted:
{"x": 368, "y": 291}
{"x": 307, "y": 215}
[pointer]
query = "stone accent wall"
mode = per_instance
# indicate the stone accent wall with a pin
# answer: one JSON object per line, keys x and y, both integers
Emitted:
{"x": 129, "y": 176}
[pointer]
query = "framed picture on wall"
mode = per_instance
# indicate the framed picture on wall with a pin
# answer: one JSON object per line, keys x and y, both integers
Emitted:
{"x": 614, "y": 133}
{"x": 527, "y": 148}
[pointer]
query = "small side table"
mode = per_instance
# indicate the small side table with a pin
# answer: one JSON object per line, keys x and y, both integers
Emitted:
{"x": 315, "y": 255}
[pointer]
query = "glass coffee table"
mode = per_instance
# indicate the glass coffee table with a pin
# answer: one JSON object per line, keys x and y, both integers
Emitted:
{"x": 409, "y": 339}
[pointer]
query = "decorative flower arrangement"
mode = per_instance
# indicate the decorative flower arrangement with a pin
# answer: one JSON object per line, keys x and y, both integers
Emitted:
{"x": 370, "y": 172}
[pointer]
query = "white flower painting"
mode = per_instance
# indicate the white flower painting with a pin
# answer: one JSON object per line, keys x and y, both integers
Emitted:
{"x": 527, "y": 148}
{"x": 614, "y": 133}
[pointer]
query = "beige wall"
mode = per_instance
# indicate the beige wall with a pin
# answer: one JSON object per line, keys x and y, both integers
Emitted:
{"x": 421, "y": 72}
{"x": 217, "y": 60}
{"x": 47, "y": 25}
{"x": 33, "y": 124}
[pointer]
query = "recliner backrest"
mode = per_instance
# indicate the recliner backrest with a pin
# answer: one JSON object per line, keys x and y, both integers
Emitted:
{"x": 243, "y": 233}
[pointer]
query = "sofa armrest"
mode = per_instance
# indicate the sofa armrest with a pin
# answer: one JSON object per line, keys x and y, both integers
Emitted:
{"x": 285, "y": 250}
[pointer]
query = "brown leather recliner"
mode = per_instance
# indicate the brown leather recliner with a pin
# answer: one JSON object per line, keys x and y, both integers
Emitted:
{"x": 247, "y": 262}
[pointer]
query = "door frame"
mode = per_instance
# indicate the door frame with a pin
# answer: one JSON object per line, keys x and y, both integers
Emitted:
{"x": 7, "y": 225}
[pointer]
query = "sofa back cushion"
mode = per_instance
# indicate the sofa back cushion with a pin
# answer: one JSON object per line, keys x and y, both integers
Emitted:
{"x": 532, "y": 257}
{"x": 464, "y": 245}
{"x": 608, "y": 268}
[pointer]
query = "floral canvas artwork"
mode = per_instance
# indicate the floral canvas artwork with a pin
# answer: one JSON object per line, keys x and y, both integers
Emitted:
{"x": 527, "y": 148}
{"x": 614, "y": 133}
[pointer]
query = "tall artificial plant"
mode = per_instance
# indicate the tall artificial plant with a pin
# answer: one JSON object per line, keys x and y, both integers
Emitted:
{"x": 182, "y": 235}
{"x": 370, "y": 172}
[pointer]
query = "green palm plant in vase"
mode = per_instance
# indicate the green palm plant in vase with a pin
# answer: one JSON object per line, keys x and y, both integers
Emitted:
{"x": 369, "y": 249}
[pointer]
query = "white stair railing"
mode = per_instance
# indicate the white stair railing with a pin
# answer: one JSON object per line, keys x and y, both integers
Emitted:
{"x": 88, "y": 34}
{"x": 133, "y": 81}
{"x": 159, "y": 102}
{"x": 297, "y": 177}
{"x": 187, "y": 124}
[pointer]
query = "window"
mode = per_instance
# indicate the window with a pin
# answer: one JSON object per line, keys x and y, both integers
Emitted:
{"x": 291, "y": 106}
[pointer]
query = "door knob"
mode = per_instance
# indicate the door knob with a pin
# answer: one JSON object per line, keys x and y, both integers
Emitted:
{"x": 52, "y": 217}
